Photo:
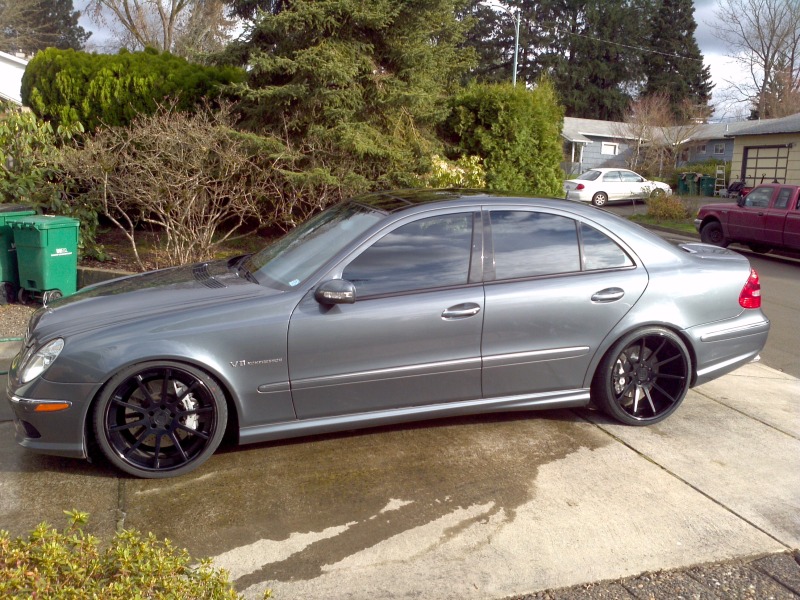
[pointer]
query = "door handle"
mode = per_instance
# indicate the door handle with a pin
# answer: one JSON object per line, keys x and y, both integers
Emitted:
{"x": 608, "y": 295}
{"x": 461, "y": 311}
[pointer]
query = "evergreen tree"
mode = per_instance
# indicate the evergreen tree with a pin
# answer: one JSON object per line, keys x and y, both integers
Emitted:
{"x": 28, "y": 26}
{"x": 674, "y": 65}
{"x": 362, "y": 82}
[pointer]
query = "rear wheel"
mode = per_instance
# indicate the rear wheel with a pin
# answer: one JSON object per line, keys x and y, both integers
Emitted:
{"x": 711, "y": 233}
{"x": 644, "y": 377}
{"x": 600, "y": 198}
{"x": 51, "y": 296}
{"x": 160, "y": 419}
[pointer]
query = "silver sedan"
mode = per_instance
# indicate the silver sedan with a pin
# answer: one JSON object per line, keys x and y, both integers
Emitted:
{"x": 391, "y": 307}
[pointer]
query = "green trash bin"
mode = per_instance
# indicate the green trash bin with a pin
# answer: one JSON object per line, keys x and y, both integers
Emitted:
{"x": 691, "y": 183}
{"x": 9, "y": 275}
{"x": 47, "y": 256}
{"x": 683, "y": 185}
{"x": 707, "y": 185}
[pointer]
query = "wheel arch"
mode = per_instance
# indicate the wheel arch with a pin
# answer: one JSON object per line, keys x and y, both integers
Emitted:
{"x": 618, "y": 333}
{"x": 231, "y": 427}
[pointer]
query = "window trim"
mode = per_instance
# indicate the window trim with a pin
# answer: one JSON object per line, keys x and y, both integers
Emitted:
{"x": 613, "y": 145}
{"x": 717, "y": 146}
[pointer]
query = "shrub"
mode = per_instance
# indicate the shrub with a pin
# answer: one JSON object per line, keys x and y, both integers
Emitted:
{"x": 466, "y": 172}
{"x": 667, "y": 208}
{"x": 515, "y": 131}
{"x": 188, "y": 176}
{"x": 65, "y": 86}
{"x": 72, "y": 564}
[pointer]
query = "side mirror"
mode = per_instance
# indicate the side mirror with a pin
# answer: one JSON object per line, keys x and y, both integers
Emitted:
{"x": 740, "y": 201}
{"x": 335, "y": 291}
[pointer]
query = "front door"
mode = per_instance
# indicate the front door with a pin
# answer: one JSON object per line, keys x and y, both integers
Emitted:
{"x": 411, "y": 338}
{"x": 748, "y": 224}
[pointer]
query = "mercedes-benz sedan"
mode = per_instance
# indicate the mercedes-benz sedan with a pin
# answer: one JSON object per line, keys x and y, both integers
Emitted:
{"x": 391, "y": 307}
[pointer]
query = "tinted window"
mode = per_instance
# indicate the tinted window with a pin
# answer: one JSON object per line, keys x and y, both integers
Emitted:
{"x": 600, "y": 251}
{"x": 590, "y": 175}
{"x": 612, "y": 176}
{"x": 432, "y": 252}
{"x": 528, "y": 244}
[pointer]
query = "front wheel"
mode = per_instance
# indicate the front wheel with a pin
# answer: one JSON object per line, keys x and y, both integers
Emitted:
{"x": 712, "y": 233}
{"x": 658, "y": 193}
{"x": 160, "y": 419}
{"x": 599, "y": 199}
{"x": 644, "y": 377}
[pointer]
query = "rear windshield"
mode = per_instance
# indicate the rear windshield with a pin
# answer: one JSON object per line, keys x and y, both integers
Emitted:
{"x": 590, "y": 175}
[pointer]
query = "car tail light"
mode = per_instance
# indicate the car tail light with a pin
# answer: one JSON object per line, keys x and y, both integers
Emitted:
{"x": 580, "y": 186}
{"x": 750, "y": 297}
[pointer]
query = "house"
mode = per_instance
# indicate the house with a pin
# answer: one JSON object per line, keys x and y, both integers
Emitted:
{"x": 768, "y": 151}
{"x": 591, "y": 143}
{"x": 11, "y": 71}
{"x": 710, "y": 141}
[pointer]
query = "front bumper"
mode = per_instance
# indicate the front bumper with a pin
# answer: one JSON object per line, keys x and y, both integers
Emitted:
{"x": 697, "y": 224}
{"x": 62, "y": 432}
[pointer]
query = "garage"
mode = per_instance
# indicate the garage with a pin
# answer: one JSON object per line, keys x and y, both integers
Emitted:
{"x": 767, "y": 152}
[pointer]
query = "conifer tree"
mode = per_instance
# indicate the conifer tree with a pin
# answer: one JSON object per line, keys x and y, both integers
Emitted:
{"x": 28, "y": 26}
{"x": 674, "y": 64}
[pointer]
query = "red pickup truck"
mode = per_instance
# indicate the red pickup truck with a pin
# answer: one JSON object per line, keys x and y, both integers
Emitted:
{"x": 767, "y": 218}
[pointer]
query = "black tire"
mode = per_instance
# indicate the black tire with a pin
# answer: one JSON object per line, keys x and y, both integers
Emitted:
{"x": 658, "y": 193}
{"x": 159, "y": 419}
{"x": 23, "y": 296}
{"x": 644, "y": 377}
{"x": 712, "y": 233}
{"x": 600, "y": 199}
{"x": 8, "y": 292}
{"x": 759, "y": 249}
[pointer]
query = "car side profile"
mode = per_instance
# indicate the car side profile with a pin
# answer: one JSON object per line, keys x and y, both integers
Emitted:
{"x": 600, "y": 186}
{"x": 767, "y": 218}
{"x": 388, "y": 308}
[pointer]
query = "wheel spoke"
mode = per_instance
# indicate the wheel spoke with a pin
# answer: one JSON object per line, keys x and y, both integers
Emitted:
{"x": 157, "y": 451}
{"x": 133, "y": 407}
{"x": 191, "y": 431}
{"x": 189, "y": 389}
{"x": 138, "y": 443}
{"x": 667, "y": 360}
{"x": 144, "y": 389}
{"x": 165, "y": 384}
{"x": 650, "y": 400}
{"x": 194, "y": 411}
{"x": 636, "y": 396}
{"x": 670, "y": 376}
{"x": 672, "y": 399}
{"x": 626, "y": 390}
{"x": 177, "y": 444}
{"x": 124, "y": 426}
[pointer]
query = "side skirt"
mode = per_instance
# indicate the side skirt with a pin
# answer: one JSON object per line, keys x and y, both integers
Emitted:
{"x": 541, "y": 401}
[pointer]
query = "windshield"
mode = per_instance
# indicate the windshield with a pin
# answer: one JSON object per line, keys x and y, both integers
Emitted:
{"x": 291, "y": 259}
{"x": 590, "y": 175}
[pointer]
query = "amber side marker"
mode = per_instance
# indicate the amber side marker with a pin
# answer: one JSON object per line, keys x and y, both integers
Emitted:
{"x": 51, "y": 407}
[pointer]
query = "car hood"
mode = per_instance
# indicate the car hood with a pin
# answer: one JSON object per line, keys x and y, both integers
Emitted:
{"x": 716, "y": 206}
{"x": 144, "y": 296}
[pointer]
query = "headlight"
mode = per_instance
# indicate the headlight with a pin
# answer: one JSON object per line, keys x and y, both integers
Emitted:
{"x": 41, "y": 360}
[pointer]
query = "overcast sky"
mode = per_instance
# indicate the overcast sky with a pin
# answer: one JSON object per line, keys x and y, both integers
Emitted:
{"x": 714, "y": 51}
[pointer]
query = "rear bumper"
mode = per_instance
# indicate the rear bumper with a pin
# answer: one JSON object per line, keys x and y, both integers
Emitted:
{"x": 723, "y": 347}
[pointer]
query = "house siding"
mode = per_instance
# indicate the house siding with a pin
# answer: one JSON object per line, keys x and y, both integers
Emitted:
{"x": 11, "y": 71}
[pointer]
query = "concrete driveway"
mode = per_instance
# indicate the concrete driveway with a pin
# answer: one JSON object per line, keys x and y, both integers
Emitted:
{"x": 481, "y": 507}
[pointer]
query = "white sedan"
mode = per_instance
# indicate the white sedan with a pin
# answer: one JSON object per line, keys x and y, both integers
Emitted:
{"x": 598, "y": 186}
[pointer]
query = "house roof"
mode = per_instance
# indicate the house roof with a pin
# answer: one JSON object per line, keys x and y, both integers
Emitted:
{"x": 576, "y": 130}
{"x": 10, "y": 58}
{"x": 790, "y": 124}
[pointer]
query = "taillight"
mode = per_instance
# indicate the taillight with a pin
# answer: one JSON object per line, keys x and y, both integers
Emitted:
{"x": 751, "y": 292}
{"x": 580, "y": 186}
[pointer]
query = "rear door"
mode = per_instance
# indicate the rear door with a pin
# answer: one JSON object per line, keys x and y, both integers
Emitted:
{"x": 614, "y": 186}
{"x": 791, "y": 232}
{"x": 556, "y": 287}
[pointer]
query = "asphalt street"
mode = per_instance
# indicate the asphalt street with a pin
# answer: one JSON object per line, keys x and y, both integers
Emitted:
{"x": 548, "y": 505}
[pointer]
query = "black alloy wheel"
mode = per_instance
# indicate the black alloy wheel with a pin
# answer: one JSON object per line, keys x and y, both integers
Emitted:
{"x": 600, "y": 198}
{"x": 644, "y": 377}
{"x": 160, "y": 419}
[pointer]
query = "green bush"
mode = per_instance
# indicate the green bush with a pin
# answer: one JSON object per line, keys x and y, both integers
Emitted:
{"x": 517, "y": 133}
{"x": 72, "y": 564}
{"x": 667, "y": 208}
{"x": 65, "y": 86}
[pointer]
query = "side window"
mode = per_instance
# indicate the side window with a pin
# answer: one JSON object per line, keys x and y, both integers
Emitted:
{"x": 612, "y": 176}
{"x": 600, "y": 251}
{"x": 759, "y": 197}
{"x": 429, "y": 253}
{"x": 630, "y": 177}
{"x": 529, "y": 244}
{"x": 782, "y": 201}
